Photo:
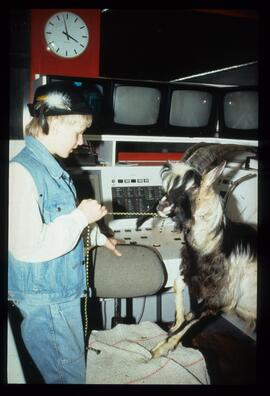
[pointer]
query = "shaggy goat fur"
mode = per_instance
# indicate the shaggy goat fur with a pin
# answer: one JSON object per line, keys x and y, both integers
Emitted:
{"x": 219, "y": 258}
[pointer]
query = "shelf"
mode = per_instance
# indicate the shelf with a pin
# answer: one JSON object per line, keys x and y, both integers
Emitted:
{"x": 172, "y": 139}
{"x": 109, "y": 145}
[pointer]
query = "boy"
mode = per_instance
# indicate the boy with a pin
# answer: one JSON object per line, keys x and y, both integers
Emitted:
{"x": 46, "y": 277}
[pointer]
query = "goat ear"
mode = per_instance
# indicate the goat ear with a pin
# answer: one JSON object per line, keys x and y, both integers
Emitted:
{"x": 214, "y": 174}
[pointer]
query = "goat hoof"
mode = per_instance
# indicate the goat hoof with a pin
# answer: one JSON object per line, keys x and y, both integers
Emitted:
{"x": 173, "y": 329}
{"x": 189, "y": 316}
{"x": 161, "y": 349}
{"x": 155, "y": 353}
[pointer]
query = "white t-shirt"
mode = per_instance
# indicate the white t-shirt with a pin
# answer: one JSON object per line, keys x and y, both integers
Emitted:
{"x": 29, "y": 238}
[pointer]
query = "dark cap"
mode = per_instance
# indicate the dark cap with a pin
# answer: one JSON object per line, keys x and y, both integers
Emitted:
{"x": 58, "y": 98}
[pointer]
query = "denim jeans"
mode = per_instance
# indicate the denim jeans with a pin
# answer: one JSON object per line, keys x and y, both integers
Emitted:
{"x": 53, "y": 336}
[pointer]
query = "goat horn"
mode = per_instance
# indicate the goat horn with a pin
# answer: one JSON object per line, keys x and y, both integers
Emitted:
{"x": 192, "y": 149}
{"x": 203, "y": 156}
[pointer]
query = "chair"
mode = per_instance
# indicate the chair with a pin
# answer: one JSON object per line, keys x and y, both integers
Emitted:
{"x": 140, "y": 271}
{"x": 121, "y": 355}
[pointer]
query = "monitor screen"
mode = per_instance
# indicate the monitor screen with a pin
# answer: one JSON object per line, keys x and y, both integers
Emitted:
{"x": 241, "y": 110}
{"x": 136, "y": 105}
{"x": 190, "y": 108}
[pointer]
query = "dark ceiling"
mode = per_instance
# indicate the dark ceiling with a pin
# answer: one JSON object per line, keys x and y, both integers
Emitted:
{"x": 160, "y": 44}
{"x": 168, "y": 44}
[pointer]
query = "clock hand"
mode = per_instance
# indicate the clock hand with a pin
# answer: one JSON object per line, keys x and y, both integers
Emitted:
{"x": 68, "y": 36}
{"x": 66, "y": 33}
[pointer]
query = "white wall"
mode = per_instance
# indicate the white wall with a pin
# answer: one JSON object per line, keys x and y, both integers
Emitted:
{"x": 14, "y": 147}
{"x": 14, "y": 369}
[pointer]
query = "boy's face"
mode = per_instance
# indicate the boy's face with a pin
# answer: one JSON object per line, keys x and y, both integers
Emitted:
{"x": 66, "y": 136}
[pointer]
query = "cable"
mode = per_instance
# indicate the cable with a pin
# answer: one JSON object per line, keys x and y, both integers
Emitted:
{"x": 234, "y": 184}
{"x": 87, "y": 250}
{"x": 87, "y": 260}
{"x": 184, "y": 367}
{"x": 134, "y": 214}
{"x": 143, "y": 307}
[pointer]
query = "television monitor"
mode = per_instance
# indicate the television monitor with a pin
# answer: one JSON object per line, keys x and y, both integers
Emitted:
{"x": 136, "y": 108}
{"x": 155, "y": 108}
{"x": 191, "y": 110}
{"x": 239, "y": 113}
{"x": 136, "y": 105}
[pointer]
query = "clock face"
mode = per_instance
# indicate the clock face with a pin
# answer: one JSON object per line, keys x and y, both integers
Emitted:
{"x": 66, "y": 34}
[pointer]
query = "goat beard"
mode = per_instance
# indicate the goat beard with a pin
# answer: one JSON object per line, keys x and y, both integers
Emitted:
{"x": 180, "y": 218}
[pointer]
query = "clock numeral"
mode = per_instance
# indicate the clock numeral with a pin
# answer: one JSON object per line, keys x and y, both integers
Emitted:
{"x": 58, "y": 17}
{"x": 66, "y": 53}
{"x": 67, "y": 16}
{"x": 84, "y": 36}
{"x": 51, "y": 23}
{"x": 57, "y": 49}
{"x": 48, "y": 32}
{"x": 75, "y": 20}
{"x": 82, "y": 27}
{"x": 75, "y": 51}
{"x": 82, "y": 45}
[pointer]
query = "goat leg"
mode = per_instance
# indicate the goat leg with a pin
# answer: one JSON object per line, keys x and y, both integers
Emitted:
{"x": 171, "y": 342}
{"x": 178, "y": 288}
{"x": 182, "y": 324}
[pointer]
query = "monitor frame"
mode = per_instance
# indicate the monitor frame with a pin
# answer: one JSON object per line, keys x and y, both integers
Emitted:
{"x": 233, "y": 133}
{"x": 112, "y": 127}
{"x": 208, "y": 130}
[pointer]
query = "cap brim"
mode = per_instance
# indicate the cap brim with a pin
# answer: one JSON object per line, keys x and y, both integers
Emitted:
{"x": 55, "y": 112}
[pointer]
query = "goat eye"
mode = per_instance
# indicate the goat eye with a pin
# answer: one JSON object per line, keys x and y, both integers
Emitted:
{"x": 192, "y": 188}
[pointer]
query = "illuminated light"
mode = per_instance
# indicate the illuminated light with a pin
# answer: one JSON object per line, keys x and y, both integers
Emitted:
{"x": 215, "y": 71}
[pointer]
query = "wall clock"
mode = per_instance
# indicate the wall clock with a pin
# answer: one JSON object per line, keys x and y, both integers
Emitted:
{"x": 44, "y": 61}
{"x": 66, "y": 34}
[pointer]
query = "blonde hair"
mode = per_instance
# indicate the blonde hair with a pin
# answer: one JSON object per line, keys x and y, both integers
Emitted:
{"x": 33, "y": 128}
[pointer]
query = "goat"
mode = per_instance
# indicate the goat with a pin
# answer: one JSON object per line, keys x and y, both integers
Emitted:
{"x": 219, "y": 258}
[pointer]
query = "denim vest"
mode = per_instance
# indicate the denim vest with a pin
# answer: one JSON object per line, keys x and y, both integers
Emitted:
{"x": 63, "y": 278}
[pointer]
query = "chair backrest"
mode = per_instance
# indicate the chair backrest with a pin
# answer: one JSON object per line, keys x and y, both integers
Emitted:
{"x": 140, "y": 271}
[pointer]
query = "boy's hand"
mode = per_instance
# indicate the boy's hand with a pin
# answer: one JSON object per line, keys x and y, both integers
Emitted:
{"x": 92, "y": 210}
{"x": 111, "y": 245}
